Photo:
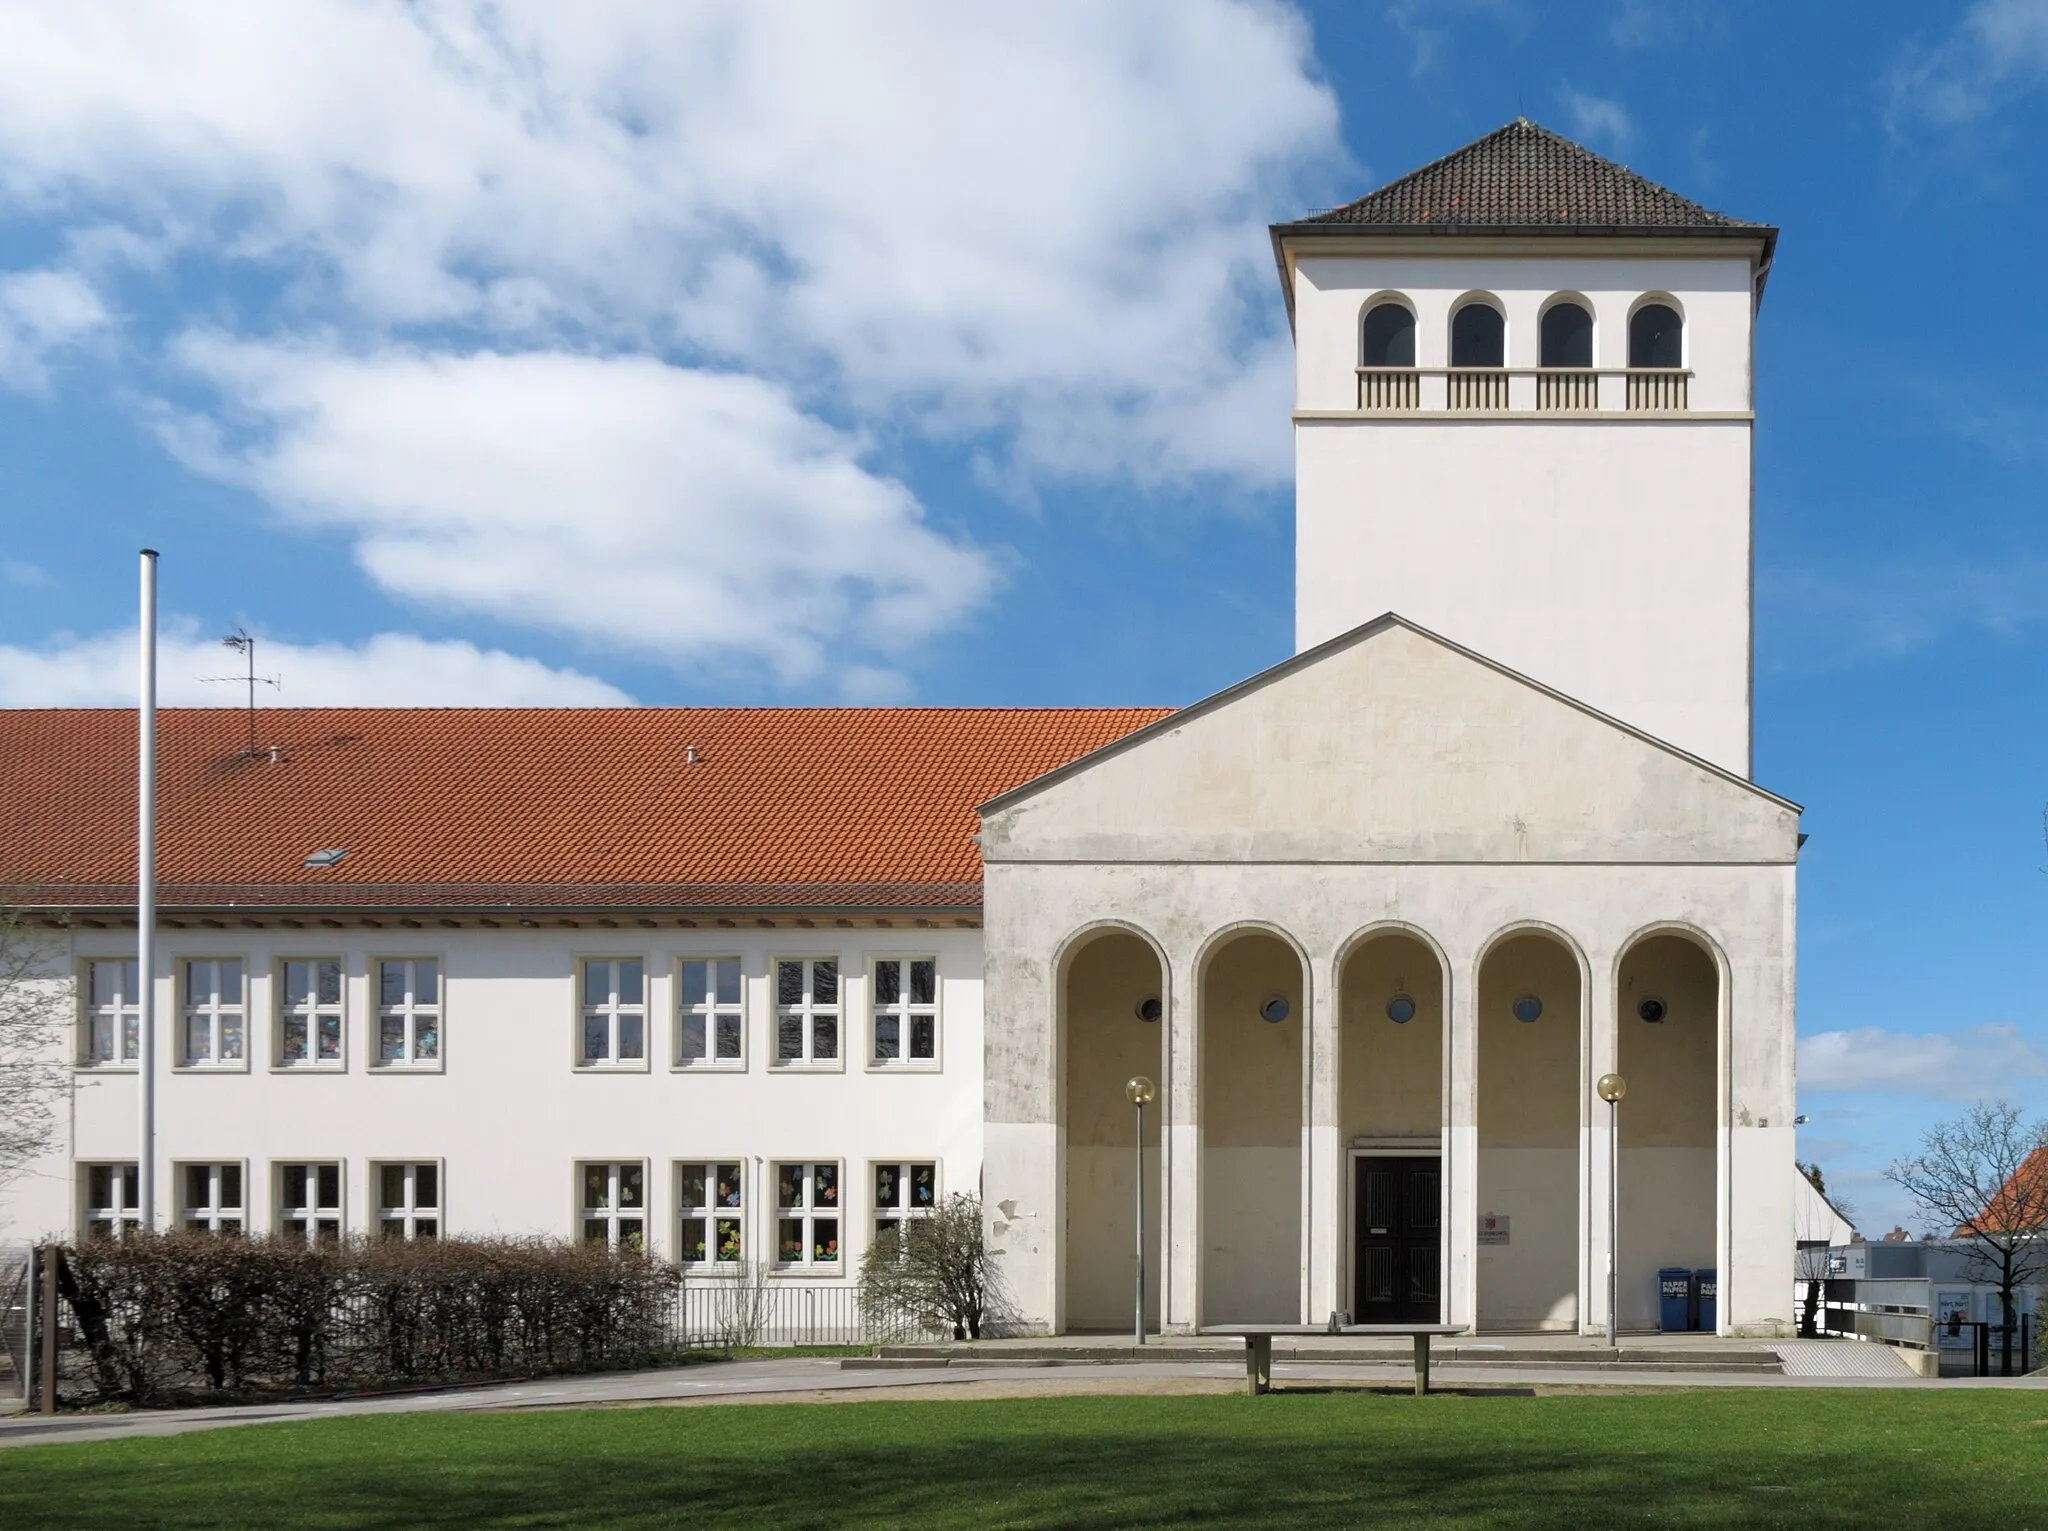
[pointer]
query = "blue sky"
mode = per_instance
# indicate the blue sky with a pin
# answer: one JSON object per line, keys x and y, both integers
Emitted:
{"x": 536, "y": 353}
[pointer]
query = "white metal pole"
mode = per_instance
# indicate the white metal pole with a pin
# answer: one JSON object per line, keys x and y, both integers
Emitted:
{"x": 1140, "y": 1322}
{"x": 1613, "y": 1214}
{"x": 145, "y": 902}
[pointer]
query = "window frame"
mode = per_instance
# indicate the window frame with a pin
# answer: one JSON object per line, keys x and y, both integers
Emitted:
{"x": 405, "y": 1218}
{"x": 1664, "y": 300}
{"x": 207, "y": 1219}
{"x": 1560, "y": 300}
{"x": 612, "y": 1216}
{"x": 810, "y": 1214}
{"x": 810, "y": 1011}
{"x": 122, "y": 1215}
{"x": 613, "y": 1009}
{"x": 713, "y": 1010}
{"x": 409, "y": 1013}
{"x": 281, "y": 1014}
{"x": 127, "y": 1007}
{"x": 712, "y": 1213}
{"x": 1487, "y": 301}
{"x": 901, "y": 1212}
{"x": 906, "y": 1012}
{"x": 313, "y": 1209}
{"x": 188, "y": 1011}
{"x": 1401, "y": 302}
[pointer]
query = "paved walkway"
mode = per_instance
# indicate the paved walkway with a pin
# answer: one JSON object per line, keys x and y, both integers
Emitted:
{"x": 814, "y": 1379}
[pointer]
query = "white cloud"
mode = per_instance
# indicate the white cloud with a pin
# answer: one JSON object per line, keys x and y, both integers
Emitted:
{"x": 1969, "y": 1064}
{"x": 686, "y": 515}
{"x": 388, "y": 670}
{"x": 1599, "y": 120}
{"x": 25, "y": 575}
{"x": 1996, "y": 52}
{"x": 42, "y": 312}
{"x": 1041, "y": 222}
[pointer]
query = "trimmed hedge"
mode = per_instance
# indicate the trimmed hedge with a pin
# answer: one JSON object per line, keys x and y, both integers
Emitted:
{"x": 167, "y": 1316}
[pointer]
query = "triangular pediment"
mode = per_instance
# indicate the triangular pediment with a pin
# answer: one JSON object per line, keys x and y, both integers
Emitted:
{"x": 1389, "y": 744}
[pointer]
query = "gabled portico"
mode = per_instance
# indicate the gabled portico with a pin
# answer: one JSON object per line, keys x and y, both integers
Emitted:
{"x": 1400, "y": 843}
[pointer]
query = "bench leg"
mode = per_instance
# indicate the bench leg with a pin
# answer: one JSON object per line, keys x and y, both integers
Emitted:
{"x": 1258, "y": 1363}
{"x": 1421, "y": 1365}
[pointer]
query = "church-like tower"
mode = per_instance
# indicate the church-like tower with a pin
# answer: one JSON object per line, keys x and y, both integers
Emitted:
{"x": 1524, "y": 402}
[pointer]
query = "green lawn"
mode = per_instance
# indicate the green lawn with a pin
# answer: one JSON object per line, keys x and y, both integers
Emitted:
{"x": 1866, "y": 1459}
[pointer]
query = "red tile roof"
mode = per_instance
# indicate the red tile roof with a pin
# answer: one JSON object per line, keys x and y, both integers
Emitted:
{"x": 2021, "y": 1205}
{"x": 798, "y": 807}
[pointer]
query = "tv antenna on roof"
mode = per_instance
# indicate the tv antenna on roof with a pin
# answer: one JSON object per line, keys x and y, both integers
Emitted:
{"x": 240, "y": 641}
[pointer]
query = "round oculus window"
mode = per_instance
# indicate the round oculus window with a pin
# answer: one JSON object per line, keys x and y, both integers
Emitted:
{"x": 1651, "y": 1009}
{"x": 1527, "y": 1008}
{"x": 1401, "y": 1009}
{"x": 1149, "y": 1008}
{"x": 1274, "y": 1010}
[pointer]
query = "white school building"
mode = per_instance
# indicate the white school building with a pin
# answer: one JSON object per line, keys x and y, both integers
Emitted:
{"x": 749, "y": 983}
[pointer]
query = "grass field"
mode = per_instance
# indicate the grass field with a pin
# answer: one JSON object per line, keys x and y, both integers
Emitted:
{"x": 1869, "y": 1459}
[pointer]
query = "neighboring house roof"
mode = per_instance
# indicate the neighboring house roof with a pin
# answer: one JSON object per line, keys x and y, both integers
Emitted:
{"x": 1518, "y": 180}
{"x": 2021, "y": 1204}
{"x": 797, "y": 807}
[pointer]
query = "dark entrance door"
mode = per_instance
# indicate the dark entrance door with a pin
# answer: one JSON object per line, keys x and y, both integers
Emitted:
{"x": 1396, "y": 1216}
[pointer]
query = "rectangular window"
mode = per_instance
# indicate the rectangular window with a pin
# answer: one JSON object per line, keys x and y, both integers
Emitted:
{"x": 409, "y": 1201}
{"x": 906, "y": 1010}
{"x": 309, "y": 1013}
{"x": 614, "y": 1010}
{"x": 213, "y": 1198}
{"x": 408, "y": 1012}
{"x": 112, "y": 1194}
{"x": 113, "y": 1012}
{"x": 615, "y": 1205}
{"x": 309, "y": 1202}
{"x": 713, "y": 1213}
{"x": 216, "y": 1005}
{"x": 903, "y": 1192}
{"x": 806, "y": 1010}
{"x": 807, "y": 1214}
{"x": 709, "y": 1016}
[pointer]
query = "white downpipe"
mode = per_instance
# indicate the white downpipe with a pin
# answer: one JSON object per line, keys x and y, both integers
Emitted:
{"x": 145, "y": 900}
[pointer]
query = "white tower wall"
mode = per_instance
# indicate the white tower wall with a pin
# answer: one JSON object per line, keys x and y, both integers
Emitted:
{"x": 1607, "y": 553}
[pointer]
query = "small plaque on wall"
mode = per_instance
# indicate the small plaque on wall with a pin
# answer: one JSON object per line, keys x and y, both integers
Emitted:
{"x": 1493, "y": 1228}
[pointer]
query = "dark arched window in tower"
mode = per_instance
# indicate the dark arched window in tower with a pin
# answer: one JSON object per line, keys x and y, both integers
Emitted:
{"x": 1478, "y": 337}
{"x": 1567, "y": 336}
{"x": 1389, "y": 336}
{"x": 1656, "y": 337}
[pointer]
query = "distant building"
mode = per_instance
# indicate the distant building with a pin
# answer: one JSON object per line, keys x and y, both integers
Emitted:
{"x": 756, "y": 983}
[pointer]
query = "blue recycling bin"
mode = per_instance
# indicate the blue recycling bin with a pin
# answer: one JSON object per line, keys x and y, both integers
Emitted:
{"x": 1674, "y": 1299}
{"x": 1708, "y": 1286}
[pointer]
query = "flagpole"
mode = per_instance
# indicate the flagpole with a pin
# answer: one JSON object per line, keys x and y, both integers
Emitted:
{"x": 145, "y": 900}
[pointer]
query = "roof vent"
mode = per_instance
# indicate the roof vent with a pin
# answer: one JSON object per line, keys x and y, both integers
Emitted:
{"x": 326, "y": 858}
{"x": 689, "y": 754}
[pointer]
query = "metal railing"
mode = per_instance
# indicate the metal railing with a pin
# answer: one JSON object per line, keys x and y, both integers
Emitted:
{"x": 723, "y": 1312}
{"x": 1896, "y": 1311}
{"x": 16, "y": 1329}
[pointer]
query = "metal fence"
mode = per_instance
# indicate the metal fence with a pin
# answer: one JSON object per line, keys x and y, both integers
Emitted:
{"x": 1895, "y": 1311}
{"x": 723, "y": 1312}
{"x": 17, "y": 1261}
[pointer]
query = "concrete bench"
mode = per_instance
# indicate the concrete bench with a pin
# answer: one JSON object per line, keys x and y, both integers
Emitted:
{"x": 1258, "y": 1345}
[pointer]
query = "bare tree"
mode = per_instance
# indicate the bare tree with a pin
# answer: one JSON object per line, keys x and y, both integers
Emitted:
{"x": 1985, "y": 1176}
{"x": 35, "y": 1068}
{"x": 1811, "y": 1239}
{"x": 936, "y": 1271}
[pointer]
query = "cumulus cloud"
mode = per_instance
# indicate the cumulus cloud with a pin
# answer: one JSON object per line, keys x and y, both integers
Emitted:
{"x": 43, "y": 312}
{"x": 584, "y": 316}
{"x": 1997, "y": 52}
{"x": 679, "y": 513}
{"x": 388, "y": 670}
{"x": 1599, "y": 120}
{"x": 1021, "y": 221}
{"x": 1968, "y": 1064}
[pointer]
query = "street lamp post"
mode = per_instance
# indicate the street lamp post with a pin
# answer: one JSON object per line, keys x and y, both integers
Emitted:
{"x": 1612, "y": 1087}
{"x": 1139, "y": 1092}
